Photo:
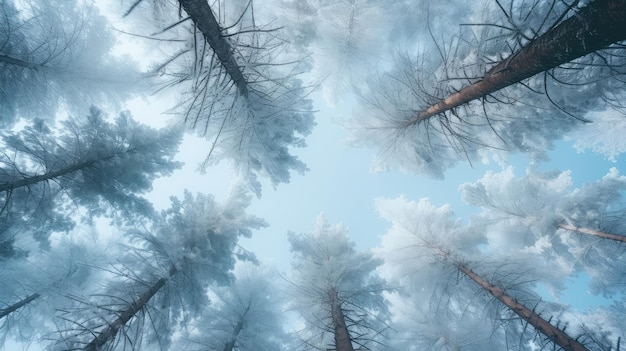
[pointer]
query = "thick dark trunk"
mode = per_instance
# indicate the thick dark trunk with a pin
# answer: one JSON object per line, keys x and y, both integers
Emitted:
{"x": 113, "y": 327}
{"x": 238, "y": 327}
{"x": 200, "y": 13}
{"x": 553, "y": 333}
{"x": 342, "y": 335}
{"x": 6, "y": 311}
{"x": 619, "y": 238}
{"x": 596, "y": 26}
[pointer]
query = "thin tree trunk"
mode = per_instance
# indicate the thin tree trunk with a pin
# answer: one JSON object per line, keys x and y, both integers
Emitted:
{"x": 6, "y": 311}
{"x": 595, "y": 26}
{"x": 553, "y": 333}
{"x": 619, "y": 238}
{"x": 113, "y": 327}
{"x": 48, "y": 176}
{"x": 59, "y": 173}
{"x": 238, "y": 327}
{"x": 17, "y": 62}
{"x": 342, "y": 335}
{"x": 200, "y": 13}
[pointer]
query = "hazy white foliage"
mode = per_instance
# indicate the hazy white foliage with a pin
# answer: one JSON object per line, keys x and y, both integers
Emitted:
{"x": 58, "y": 54}
{"x": 198, "y": 236}
{"x": 538, "y": 202}
{"x": 420, "y": 235}
{"x": 248, "y": 314}
{"x": 522, "y": 215}
{"x": 422, "y": 148}
{"x": 325, "y": 260}
{"x": 604, "y": 135}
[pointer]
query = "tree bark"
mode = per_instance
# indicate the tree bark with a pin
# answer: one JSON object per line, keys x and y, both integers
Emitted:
{"x": 238, "y": 327}
{"x": 6, "y": 311}
{"x": 595, "y": 26}
{"x": 109, "y": 332}
{"x": 342, "y": 335}
{"x": 619, "y": 238}
{"x": 553, "y": 333}
{"x": 200, "y": 13}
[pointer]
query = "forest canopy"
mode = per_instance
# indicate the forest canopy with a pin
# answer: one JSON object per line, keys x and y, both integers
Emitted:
{"x": 312, "y": 175}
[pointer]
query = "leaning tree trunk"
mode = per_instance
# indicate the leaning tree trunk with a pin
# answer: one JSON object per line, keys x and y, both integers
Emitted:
{"x": 16, "y": 306}
{"x": 137, "y": 305}
{"x": 603, "y": 235}
{"x": 342, "y": 335}
{"x": 17, "y": 62}
{"x": 553, "y": 333}
{"x": 48, "y": 176}
{"x": 200, "y": 13}
{"x": 238, "y": 327}
{"x": 596, "y": 26}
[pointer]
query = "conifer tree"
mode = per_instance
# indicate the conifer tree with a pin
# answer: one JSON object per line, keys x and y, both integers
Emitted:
{"x": 88, "y": 161}
{"x": 240, "y": 87}
{"x": 337, "y": 291}
{"x": 163, "y": 280}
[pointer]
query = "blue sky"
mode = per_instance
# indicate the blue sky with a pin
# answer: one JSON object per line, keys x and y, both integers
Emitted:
{"x": 340, "y": 185}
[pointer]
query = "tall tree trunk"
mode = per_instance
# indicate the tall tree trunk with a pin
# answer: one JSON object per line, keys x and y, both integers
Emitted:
{"x": 595, "y": 26}
{"x": 553, "y": 333}
{"x": 200, "y": 13}
{"x": 238, "y": 327}
{"x": 14, "y": 307}
{"x": 619, "y": 238}
{"x": 342, "y": 335}
{"x": 113, "y": 327}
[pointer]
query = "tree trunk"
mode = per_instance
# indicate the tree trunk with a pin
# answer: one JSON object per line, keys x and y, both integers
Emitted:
{"x": 200, "y": 13}
{"x": 17, "y": 62}
{"x": 342, "y": 335}
{"x": 59, "y": 173}
{"x": 595, "y": 26}
{"x": 48, "y": 176}
{"x": 619, "y": 238}
{"x": 555, "y": 334}
{"x": 6, "y": 311}
{"x": 109, "y": 332}
{"x": 238, "y": 327}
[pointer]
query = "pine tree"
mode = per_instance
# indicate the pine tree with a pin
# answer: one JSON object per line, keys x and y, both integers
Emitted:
{"x": 103, "y": 167}
{"x": 163, "y": 280}
{"x": 424, "y": 238}
{"x": 494, "y": 88}
{"x": 336, "y": 290}
{"x": 238, "y": 93}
